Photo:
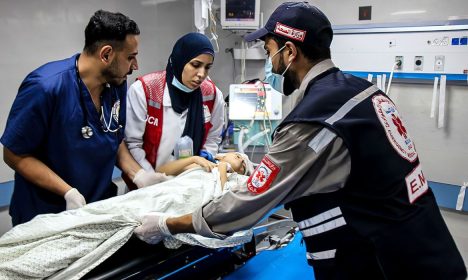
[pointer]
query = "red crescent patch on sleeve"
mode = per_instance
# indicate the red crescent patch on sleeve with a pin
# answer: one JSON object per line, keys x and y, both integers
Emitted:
{"x": 263, "y": 176}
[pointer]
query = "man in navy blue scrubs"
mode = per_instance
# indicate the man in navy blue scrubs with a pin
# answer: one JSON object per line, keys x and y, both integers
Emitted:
{"x": 64, "y": 133}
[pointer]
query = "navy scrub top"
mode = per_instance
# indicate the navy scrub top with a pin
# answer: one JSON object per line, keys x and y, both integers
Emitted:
{"x": 45, "y": 121}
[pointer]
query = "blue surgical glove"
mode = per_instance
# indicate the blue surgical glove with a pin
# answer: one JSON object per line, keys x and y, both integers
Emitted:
{"x": 207, "y": 155}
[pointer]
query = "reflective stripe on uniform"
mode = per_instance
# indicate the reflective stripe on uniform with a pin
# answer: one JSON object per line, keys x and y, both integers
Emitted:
{"x": 317, "y": 219}
{"x": 323, "y": 255}
{"x": 322, "y": 139}
{"x": 350, "y": 104}
{"x": 336, "y": 223}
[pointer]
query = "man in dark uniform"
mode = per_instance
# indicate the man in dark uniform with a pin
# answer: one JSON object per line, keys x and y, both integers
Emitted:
{"x": 342, "y": 161}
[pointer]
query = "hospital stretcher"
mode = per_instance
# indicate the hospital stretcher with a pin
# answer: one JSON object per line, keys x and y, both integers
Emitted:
{"x": 138, "y": 260}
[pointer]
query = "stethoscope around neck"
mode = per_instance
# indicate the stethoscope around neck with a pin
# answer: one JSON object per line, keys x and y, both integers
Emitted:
{"x": 86, "y": 130}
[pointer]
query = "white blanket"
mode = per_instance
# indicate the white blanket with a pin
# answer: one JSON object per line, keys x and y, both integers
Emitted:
{"x": 69, "y": 244}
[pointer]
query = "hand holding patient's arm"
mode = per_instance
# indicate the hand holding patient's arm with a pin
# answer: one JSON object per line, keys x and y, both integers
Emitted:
{"x": 154, "y": 227}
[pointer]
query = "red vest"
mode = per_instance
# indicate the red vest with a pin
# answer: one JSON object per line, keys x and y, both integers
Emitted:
{"x": 153, "y": 85}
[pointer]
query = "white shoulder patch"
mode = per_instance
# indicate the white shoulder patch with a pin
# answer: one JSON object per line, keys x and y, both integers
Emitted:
{"x": 394, "y": 127}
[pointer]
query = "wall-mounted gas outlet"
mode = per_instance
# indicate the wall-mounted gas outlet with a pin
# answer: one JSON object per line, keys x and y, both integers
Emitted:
{"x": 418, "y": 63}
{"x": 398, "y": 62}
{"x": 439, "y": 63}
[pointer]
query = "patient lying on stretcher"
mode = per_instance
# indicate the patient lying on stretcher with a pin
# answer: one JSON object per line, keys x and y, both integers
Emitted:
{"x": 69, "y": 244}
{"x": 226, "y": 163}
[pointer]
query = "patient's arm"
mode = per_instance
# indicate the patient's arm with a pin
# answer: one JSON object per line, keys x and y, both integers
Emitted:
{"x": 180, "y": 224}
{"x": 222, "y": 167}
{"x": 180, "y": 165}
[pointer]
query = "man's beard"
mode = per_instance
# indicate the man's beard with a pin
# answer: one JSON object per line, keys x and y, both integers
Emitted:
{"x": 111, "y": 74}
{"x": 290, "y": 81}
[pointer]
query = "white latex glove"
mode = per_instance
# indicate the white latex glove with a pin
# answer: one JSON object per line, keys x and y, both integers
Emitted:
{"x": 153, "y": 228}
{"x": 74, "y": 199}
{"x": 145, "y": 178}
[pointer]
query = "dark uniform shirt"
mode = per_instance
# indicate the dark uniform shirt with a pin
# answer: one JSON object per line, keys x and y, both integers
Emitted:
{"x": 374, "y": 220}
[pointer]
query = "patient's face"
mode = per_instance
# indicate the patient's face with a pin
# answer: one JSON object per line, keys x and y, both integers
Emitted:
{"x": 235, "y": 160}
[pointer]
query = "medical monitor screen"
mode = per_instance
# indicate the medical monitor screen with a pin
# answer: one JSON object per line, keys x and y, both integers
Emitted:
{"x": 240, "y": 10}
{"x": 248, "y": 101}
{"x": 243, "y": 14}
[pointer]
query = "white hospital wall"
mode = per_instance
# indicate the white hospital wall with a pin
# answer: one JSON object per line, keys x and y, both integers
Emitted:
{"x": 5, "y": 221}
{"x": 443, "y": 152}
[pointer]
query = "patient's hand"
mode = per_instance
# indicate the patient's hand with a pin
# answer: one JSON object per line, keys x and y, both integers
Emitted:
{"x": 204, "y": 163}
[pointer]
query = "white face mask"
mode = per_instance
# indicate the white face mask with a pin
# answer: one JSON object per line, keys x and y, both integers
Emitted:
{"x": 181, "y": 86}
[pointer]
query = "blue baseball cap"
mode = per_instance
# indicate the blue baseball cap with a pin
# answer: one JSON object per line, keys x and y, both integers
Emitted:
{"x": 297, "y": 21}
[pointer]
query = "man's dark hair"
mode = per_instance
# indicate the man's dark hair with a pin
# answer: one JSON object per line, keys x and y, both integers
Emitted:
{"x": 108, "y": 28}
{"x": 313, "y": 53}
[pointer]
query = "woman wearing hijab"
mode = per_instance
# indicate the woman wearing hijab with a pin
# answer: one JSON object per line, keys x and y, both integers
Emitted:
{"x": 164, "y": 106}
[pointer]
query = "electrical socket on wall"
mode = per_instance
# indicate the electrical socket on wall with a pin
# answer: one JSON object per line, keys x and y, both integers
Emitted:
{"x": 398, "y": 62}
{"x": 439, "y": 63}
{"x": 418, "y": 63}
